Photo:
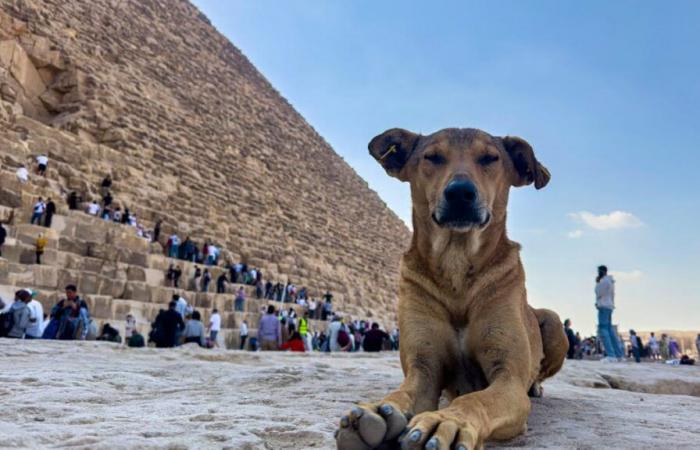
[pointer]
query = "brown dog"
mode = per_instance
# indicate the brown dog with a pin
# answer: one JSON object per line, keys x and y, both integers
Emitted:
{"x": 466, "y": 329}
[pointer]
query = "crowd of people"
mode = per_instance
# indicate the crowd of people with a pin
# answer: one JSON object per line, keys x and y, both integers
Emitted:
{"x": 281, "y": 329}
{"x": 610, "y": 346}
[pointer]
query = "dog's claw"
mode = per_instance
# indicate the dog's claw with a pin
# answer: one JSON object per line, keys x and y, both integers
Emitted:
{"x": 432, "y": 444}
{"x": 386, "y": 410}
{"x": 415, "y": 436}
{"x": 344, "y": 421}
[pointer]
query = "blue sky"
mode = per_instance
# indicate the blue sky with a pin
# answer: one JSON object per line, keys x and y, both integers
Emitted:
{"x": 607, "y": 93}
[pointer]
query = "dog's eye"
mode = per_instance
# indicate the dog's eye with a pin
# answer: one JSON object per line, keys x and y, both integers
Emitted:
{"x": 435, "y": 158}
{"x": 487, "y": 159}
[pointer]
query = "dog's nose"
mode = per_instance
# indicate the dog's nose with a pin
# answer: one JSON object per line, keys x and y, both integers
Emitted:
{"x": 460, "y": 191}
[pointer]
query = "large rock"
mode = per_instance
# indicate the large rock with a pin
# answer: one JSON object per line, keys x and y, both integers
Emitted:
{"x": 15, "y": 59}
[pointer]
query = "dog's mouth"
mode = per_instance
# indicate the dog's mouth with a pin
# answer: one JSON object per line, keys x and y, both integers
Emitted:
{"x": 477, "y": 219}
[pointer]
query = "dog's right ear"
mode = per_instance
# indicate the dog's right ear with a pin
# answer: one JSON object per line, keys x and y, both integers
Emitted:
{"x": 392, "y": 149}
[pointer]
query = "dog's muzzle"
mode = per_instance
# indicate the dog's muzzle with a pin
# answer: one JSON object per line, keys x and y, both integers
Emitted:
{"x": 460, "y": 207}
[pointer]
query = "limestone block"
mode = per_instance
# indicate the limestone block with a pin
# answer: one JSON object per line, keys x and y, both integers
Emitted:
{"x": 100, "y": 306}
{"x": 89, "y": 283}
{"x": 45, "y": 276}
{"x": 112, "y": 287}
{"x": 135, "y": 273}
{"x": 15, "y": 59}
{"x": 137, "y": 291}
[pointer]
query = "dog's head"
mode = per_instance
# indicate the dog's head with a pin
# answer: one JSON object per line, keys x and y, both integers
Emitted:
{"x": 459, "y": 178}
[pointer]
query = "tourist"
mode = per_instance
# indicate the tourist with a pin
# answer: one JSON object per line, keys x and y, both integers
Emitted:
{"x": 243, "y": 334}
{"x": 333, "y": 331}
{"x": 663, "y": 347}
{"x": 106, "y": 185}
{"x": 42, "y": 163}
{"x": 284, "y": 328}
{"x": 107, "y": 199}
{"x": 3, "y": 236}
{"x": 304, "y": 330}
{"x": 295, "y": 343}
{"x": 212, "y": 254}
{"x": 136, "y": 340}
{"x": 269, "y": 330}
{"x": 38, "y": 211}
{"x": 312, "y": 308}
{"x": 195, "y": 278}
{"x": 73, "y": 201}
{"x": 177, "y": 273}
{"x": 117, "y": 215}
{"x": 69, "y": 317}
{"x": 395, "y": 339}
{"x": 40, "y": 245}
{"x": 214, "y": 327}
{"x": 374, "y": 339}
{"x": 221, "y": 283}
{"x": 170, "y": 276}
{"x": 674, "y": 350}
{"x": 268, "y": 290}
{"x": 653, "y": 347}
{"x": 239, "y": 302}
{"x": 109, "y": 334}
{"x": 20, "y": 314}
{"x": 36, "y": 319}
{"x": 206, "y": 279}
{"x": 126, "y": 217}
{"x": 571, "y": 337}
{"x": 327, "y": 311}
{"x": 180, "y": 305}
{"x": 258, "y": 289}
{"x": 605, "y": 303}
{"x": 22, "y": 174}
{"x": 636, "y": 346}
{"x": 194, "y": 330}
{"x": 156, "y": 230}
{"x": 168, "y": 326}
{"x": 49, "y": 212}
{"x": 130, "y": 326}
{"x": 93, "y": 208}
{"x": 189, "y": 250}
{"x": 697, "y": 345}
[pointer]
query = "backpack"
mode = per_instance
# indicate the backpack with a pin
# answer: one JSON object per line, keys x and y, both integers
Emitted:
{"x": 343, "y": 338}
{"x": 7, "y": 321}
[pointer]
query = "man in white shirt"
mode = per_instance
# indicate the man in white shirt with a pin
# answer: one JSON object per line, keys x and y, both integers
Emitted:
{"x": 93, "y": 208}
{"x": 244, "y": 333}
{"x": 39, "y": 208}
{"x": 214, "y": 327}
{"x": 36, "y": 320}
{"x": 42, "y": 163}
{"x": 22, "y": 174}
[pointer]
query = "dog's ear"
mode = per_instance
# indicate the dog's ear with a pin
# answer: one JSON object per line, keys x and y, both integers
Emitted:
{"x": 527, "y": 168}
{"x": 392, "y": 149}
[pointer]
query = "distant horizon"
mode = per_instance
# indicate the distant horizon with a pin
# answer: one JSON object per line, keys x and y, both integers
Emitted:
{"x": 605, "y": 98}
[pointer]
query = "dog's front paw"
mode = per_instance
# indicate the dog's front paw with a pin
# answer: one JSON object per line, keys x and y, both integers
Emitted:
{"x": 441, "y": 430}
{"x": 370, "y": 426}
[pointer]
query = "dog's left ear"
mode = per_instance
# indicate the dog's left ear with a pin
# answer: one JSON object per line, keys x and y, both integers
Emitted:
{"x": 527, "y": 168}
{"x": 392, "y": 149}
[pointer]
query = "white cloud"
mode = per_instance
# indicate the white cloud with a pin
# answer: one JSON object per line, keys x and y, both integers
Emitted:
{"x": 575, "y": 234}
{"x": 633, "y": 275}
{"x": 614, "y": 220}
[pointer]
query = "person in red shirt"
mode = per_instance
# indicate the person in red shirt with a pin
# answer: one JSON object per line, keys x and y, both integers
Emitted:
{"x": 295, "y": 343}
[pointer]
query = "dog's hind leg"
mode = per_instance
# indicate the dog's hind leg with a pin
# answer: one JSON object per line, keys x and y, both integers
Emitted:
{"x": 554, "y": 343}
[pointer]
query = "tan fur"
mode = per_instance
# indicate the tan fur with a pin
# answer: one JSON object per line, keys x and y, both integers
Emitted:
{"x": 466, "y": 328}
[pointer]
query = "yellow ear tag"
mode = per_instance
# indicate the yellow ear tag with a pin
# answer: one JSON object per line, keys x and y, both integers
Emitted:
{"x": 391, "y": 150}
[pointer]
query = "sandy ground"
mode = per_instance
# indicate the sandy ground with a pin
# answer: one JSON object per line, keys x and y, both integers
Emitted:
{"x": 99, "y": 395}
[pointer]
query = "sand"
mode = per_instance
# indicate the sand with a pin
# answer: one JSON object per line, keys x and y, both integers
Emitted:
{"x": 100, "y": 395}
